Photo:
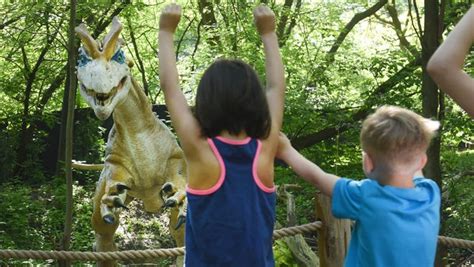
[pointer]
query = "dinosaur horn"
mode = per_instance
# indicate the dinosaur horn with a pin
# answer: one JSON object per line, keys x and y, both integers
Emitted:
{"x": 110, "y": 41}
{"x": 89, "y": 43}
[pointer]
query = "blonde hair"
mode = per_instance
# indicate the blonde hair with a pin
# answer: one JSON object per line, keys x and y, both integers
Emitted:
{"x": 396, "y": 134}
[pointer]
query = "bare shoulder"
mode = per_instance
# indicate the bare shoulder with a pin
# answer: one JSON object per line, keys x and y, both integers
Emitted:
{"x": 203, "y": 166}
{"x": 195, "y": 148}
{"x": 265, "y": 162}
{"x": 269, "y": 145}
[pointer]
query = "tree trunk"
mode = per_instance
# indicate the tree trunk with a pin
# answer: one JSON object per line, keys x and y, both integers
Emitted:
{"x": 208, "y": 20}
{"x": 27, "y": 125}
{"x": 431, "y": 99}
{"x": 62, "y": 128}
{"x": 72, "y": 49}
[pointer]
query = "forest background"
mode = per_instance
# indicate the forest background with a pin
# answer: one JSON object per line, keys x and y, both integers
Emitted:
{"x": 342, "y": 60}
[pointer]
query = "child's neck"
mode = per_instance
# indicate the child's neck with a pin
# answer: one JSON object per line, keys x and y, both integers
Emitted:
{"x": 239, "y": 136}
{"x": 402, "y": 180}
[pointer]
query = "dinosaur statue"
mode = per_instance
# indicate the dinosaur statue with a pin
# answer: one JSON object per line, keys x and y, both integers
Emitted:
{"x": 142, "y": 157}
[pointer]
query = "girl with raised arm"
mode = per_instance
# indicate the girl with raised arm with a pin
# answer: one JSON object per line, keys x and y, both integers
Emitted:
{"x": 230, "y": 141}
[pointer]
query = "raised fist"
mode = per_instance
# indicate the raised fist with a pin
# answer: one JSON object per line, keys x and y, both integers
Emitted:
{"x": 170, "y": 17}
{"x": 264, "y": 19}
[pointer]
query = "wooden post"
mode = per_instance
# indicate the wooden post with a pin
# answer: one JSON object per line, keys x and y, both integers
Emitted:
{"x": 334, "y": 236}
{"x": 301, "y": 251}
{"x": 72, "y": 86}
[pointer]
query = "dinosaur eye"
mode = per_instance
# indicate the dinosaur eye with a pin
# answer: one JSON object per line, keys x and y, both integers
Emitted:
{"x": 119, "y": 57}
{"x": 90, "y": 92}
{"x": 83, "y": 58}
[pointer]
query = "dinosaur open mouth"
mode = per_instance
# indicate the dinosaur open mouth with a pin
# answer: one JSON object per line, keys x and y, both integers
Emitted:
{"x": 103, "y": 99}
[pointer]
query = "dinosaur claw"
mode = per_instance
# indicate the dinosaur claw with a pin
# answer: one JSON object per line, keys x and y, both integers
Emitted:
{"x": 181, "y": 220}
{"x": 109, "y": 219}
{"x": 122, "y": 187}
{"x": 119, "y": 203}
{"x": 170, "y": 203}
{"x": 167, "y": 188}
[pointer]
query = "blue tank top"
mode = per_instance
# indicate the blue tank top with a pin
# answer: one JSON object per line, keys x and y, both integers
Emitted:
{"x": 231, "y": 224}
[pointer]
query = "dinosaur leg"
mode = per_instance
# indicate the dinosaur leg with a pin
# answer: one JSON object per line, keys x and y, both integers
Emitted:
{"x": 177, "y": 234}
{"x": 173, "y": 191}
{"x": 104, "y": 233}
{"x": 174, "y": 196}
{"x": 109, "y": 198}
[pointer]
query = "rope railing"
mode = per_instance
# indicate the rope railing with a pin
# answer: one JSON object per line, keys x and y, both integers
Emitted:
{"x": 133, "y": 254}
{"x": 451, "y": 242}
{"x": 299, "y": 229}
{"x": 92, "y": 256}
{"x": 174, "y": 252}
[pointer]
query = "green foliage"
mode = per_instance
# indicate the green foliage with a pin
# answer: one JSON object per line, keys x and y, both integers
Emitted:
{"x": 7, "y": 146}
{"x": 458, "y": 200}
{"x": 89, "y": 141}
{"x": 282, "y": 254}
{"x": 30, "y": 217}
{"x": 9, "y": 142}
{"x": 82, "y": 233}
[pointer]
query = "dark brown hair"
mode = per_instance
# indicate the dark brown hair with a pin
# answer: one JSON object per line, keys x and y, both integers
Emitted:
{"x": 230, "y": 97}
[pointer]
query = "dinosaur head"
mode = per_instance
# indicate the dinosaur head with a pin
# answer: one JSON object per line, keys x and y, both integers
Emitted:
{"x": 103, "y": 74}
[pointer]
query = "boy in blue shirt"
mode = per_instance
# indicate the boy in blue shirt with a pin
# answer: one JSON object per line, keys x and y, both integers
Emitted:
{"x": 396, "y": 210}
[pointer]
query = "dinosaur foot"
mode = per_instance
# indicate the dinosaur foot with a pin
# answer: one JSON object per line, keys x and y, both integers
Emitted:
{"x": 113, "y": 201}
{"x": 173, "y": 198}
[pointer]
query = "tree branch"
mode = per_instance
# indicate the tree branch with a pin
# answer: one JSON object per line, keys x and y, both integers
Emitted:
{"x": 8, "y": 22}
{"x": 178, "y": 46}
{"x": 349, "y": 26}
{"x": 343, "y": 34}
{"x": 419, "y": 32}
{"x": 286, "y": 10}
{"x": 198, "y": 39}
{"x": 293, "y": 20}
{"x": 331, "y": 131}
{"x": 58, "y": 80}
{"x": 397, "y": 25}
{"x": 32, "y": 72}
{"x": 106, "y": 22}
{"x": 141, "y": 67}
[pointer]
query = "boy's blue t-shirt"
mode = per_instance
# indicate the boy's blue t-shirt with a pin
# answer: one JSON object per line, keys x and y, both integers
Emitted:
{"x": 394, "y": 226}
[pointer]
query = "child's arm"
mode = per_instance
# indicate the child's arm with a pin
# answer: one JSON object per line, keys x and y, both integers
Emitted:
{"x": 445, "y": 66}
{"x": 182, "y": 119}
{"x": 275, "y": 76}
{"x": 305, "y": 168}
